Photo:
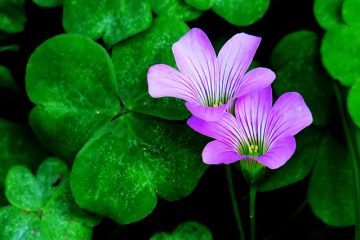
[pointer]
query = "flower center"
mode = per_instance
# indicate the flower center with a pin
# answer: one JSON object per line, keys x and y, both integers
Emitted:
{"x": 217, "y": 104}
{"x": 252, "y": 149}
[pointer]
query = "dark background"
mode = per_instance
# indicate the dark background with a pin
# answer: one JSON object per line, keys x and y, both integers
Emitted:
{"x": 280, "y": 214}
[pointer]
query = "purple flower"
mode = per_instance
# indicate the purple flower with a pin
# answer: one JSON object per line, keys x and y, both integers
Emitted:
{"x": 207, "y": 83}
{"x": 259, "y": 131}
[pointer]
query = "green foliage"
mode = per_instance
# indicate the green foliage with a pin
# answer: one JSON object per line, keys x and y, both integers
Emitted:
{"x": 132, "y": 159}
{"x": 328, "y": 13}
{"x": 132, "y": 60}
{"x": 49, "y": 3}
{"x": 241, "y": 12}
{"x": 350, "y": 13}
{"x": 6, "y": 79}
{"x": 42, "y": 206}
{"x": 333, "y": 205}
{"x": 187, "y": 230}
{"x": 12, "y": 16}
{"x": 201, "y": 5}
{"x": 298, "y": 167}
{"x": 296, "y": 62}
{"x": 72, "y": 81}
{"x": 353, "y": 103}
{"x": 176, "y": 9}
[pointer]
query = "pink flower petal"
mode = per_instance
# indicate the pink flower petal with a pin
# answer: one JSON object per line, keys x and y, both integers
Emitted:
{"x": 217, "y": 152}
{"x": 251, "y": 113}
{"x": 279, "y": 153}
{"x": 224, "y": 130}
{"x": 196, "y": 58}
{"x": 234, "y": 60}
{"x": 206, "y": 113}
{"x": 257, "y": 78}
{"x": 164, "y": 81}
{"x": 288, "y": 116}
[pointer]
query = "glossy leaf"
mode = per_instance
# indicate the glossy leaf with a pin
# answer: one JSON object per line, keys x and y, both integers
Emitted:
{"x": 49, "y": 3}
{"x": 298, "y": 167}
{"x": 71, "y": 80}
{"x": 297, "y": 65}
{"x": 353, "y": 103}
{"x": 12, "y": 16}
{"x": 18, "y": 145}
{"x": 328, "y": 13}
{"x": 188, "y": 231}
{"x": 201, "y": 5}
{"x": 333, "y": 205}
{"x": 176, "y": 9}
{"x": 48, "y": 212}
{"x": 241, "y": 12}
{"x": 119, "y": 172}
{"x": 132, "y": 60}
{"x": 350, "y": 13}
{"x": 340, "y": 50}
{"x": 113, "y": 20}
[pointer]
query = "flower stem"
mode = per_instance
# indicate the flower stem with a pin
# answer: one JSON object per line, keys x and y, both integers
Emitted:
{"x": 355, "y": 162}
{"x": 234, "y": 202}
{"x": 252, "y": 212}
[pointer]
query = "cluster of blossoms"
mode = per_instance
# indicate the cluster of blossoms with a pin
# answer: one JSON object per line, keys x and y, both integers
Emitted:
{"x": 228, "y": 103}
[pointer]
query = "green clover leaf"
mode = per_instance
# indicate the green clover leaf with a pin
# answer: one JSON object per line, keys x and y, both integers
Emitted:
{"x": 328, "y": 13}
{"x": 241, "y": 12}
{"x": 188, "y": 230}
{"x": 201, "y": 5}
{"x": 42, "y": 202}
{"x": 12, "y": 16}
{"x": 176, "y": 9}
{"x": 350, "y": 13}
{"x": 298, "y": 167}
{"x": 6, "y": 79}
{"x": 333, "y": 205}
{"x": 296, "y": 61}
{"x": 132, "y": 60}
{"x": 353, "y": 102}
{"x": 118, "y": 150}
{"x": 112, "y": 20}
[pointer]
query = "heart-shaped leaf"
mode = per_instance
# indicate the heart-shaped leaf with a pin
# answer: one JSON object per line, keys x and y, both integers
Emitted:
{"x": 12, "y": 16}
{"x": 241, "y": 13}
{"x": 299, "y": 69}
{"x": 353, "y": 103}
{"x": 112, "y": 20}
{"x": 188, "y": 231}
{"x": 333, "y": 205}
{"x": 176, "y": 9}
{"x": 72, "y": 81}
{"x": 132, "y": 60}
{"x": 201, "y": 5}
{"x": 340, "y": 49}
{"x": 298, "y": 167}
{"x": 328, "y": 13}
{"x": 28, "y": 219}
{"x": 121, "y": 169}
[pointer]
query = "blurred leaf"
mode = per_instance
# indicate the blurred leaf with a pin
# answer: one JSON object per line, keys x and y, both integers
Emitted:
{"x": 12, "y": 16}
{"x": 296, "y": 61}
{"x": 47, "y": 210}
{"x": 176, "y": 9}
{"x": 340, "y": 52}
{"x": 201, "y": 5}
{"x": 328, "y": 13}
{"x": 333, "y": 205}
{"x": 113, "y": 20}
{"x": 12, "y": 47}
{"x": 350, "y": 13}
{"x": 119, "y": 172}
{"x": 353, "y": 103}
{"x": 188, "y": 231}
{"x": 298, "y": 167}
{"x": 132, "y": 60}
{"x": 18, "y": 145}
{"x": 71, "y": 79}
{"x": 49, "y": 3}
{"x": 241, "y": 12}
{"x": 6, "y": 79}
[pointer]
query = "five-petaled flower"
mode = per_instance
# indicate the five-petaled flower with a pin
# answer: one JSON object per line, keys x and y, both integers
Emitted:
{"x": 209, "y": 83}
{"x": 258, "y": 131}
